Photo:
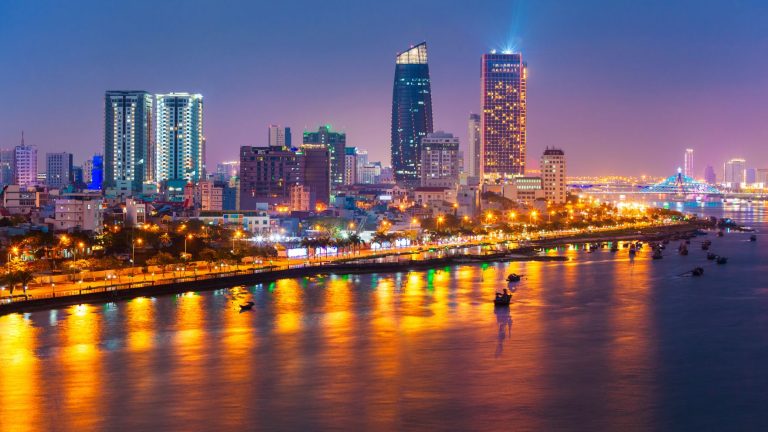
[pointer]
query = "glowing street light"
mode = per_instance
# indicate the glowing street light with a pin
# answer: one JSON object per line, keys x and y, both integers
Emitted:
{"x": 133, "y": 250}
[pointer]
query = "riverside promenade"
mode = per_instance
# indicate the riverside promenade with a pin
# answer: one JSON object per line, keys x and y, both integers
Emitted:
{"x": 131, "y": 282}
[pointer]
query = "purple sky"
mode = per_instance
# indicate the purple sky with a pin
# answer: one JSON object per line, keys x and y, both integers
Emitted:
{"x": 623, "y": 87}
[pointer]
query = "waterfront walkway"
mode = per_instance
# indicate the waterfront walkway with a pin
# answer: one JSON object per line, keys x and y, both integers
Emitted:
{"x": 125, "y": 281}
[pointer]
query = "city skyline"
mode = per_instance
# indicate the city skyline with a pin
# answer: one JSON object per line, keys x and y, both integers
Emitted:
{"x": 568, "y": 59}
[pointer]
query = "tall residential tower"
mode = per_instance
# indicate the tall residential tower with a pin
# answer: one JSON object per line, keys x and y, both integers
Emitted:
{"x": 128, "y": 139}
{"x": 411, "y": 112}
{"x": 180, "y": 141}
{"x": 503, "y": 122}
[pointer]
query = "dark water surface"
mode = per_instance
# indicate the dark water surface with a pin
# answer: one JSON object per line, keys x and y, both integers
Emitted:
{"x": 597, "y": 343}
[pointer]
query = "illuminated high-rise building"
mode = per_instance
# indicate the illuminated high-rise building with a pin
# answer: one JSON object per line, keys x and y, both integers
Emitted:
{"x": 553, "y": 172}
{"x": 180, "y": 141}
{"x": 128, "y": 139}
{"x": 25, "y": 164}
{"x": 475, "y": 149}
{"x": 688, "y": 163}
{"x": 733, "y": 172}
{"x": 440, "y": 160}
{"x": 411, "y": 112}
{"x": 503, "y": 119}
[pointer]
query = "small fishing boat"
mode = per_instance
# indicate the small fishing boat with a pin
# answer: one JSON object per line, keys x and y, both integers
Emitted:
{"x": 720, "y": 233}
{"x": 615, "y": 248}
{"x": 503, "y": 298}
{"x": 246, "y": 307}
{"x": 698, "y": 271}
{"x": 711, "y": 256}
{"x": 721, "y": 260}
{"x": 514, "y": 277}
{"x": 706, "y": 244}
{"x": 657, "y": 254}
{"x": 753, "y": 238}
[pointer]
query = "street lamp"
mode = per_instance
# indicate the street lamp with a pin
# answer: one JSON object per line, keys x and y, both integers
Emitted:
{"x": 133, "y": 250}
{"x": 440, "y": 220}
{"x": 235, "y": 236}
{"x": 188, "y": 236}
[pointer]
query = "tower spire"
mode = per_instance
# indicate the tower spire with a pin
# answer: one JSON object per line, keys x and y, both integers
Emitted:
{"x": 22, "y": 137}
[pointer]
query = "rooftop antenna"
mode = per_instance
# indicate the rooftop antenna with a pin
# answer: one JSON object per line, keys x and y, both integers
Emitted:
{"x": 22, "y": 137}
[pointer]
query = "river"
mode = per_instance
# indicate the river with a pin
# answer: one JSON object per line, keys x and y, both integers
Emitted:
{"x": 600, "y": 342}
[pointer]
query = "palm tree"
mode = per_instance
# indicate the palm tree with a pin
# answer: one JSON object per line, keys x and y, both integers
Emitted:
{"x": 355, "y": 240}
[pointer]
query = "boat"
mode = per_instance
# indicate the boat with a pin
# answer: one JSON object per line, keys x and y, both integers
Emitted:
{"x": 657, "y": 254}
{"x": 246, "y": 307}
{"x": 721, "y": 260}
{"x": 706, "y": 244}
{"x": 503, "y": 298}
{"x": 753, "y": 238}
{"x": 615, "y": 248}
{"x": 698, "y": 271}
{"x": 720, "y": 233}
{"x": 514, "y": 277}
{"x": 711, "y": 256}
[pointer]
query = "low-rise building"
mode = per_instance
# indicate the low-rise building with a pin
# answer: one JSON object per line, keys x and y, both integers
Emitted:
{"x": 78, "y": 213}
{"x": 253, "y": 221}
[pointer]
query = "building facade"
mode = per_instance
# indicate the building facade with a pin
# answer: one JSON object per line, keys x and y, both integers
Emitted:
{"x": 688, "y": 163}
{"x": 279, "y": 136}
{"x": 6, "y": 167}
{"x": 78, "y": 214}
{"x": 475, "y": 154}
{"x": 553, "y": 172}
{"x": 411, "y": 112}
{"x": 439, "y": 165}
{"x": 267, "y": 174}
{"x": 316, "y": 178}
{"x": 335, "y": 142}
{"x": 25, "y": 164}
{"x": 58, "y": 170}
{"x": 504, "y": 114}
{"x": 733, "y": 172}
{"x": 179, "y": 137}
{"x": 350, "y": 165}
{"x": 128, "y": 139}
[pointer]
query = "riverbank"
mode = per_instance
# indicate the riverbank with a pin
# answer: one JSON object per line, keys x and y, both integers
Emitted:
{"x": 386, "y": 262}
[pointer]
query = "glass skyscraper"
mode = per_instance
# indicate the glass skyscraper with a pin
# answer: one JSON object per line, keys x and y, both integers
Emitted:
{"x": 128, "y": 139}
{"x": 411, "y": 112}
{"x": 503, "y": 121}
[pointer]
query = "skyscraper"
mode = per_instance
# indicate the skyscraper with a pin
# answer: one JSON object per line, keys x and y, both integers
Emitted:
{"x": 473, "y": 142}
{"x": 553, "y": 172}
{"x": 411, "y": 112}
{"x": 733, "y": 172}
{"x": 128, "y": 139}
{"x": 180, "y": 141}
{"x": 439, "y": 160}
{"x": 25, "y": 164}
{"x": 58, "y": 169}
{"x": 503, "y": 122}
{"x": 688, "y": 163}
{"x": 335, "y": 142}
{"x": 279, "y": 136}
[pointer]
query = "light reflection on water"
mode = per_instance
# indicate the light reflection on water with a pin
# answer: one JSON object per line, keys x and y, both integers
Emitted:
{"x": 600, "y": 342}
